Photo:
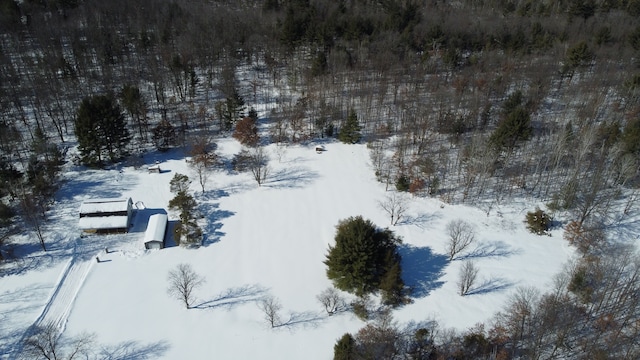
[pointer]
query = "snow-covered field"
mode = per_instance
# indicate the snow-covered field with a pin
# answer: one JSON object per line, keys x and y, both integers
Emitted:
{"x": 260, "y": 241}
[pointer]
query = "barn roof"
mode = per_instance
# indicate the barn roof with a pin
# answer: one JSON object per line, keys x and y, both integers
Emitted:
{"x": 106, "y": 205}
{"x": 156, "y": 228}
{"x": 104, "y": 222}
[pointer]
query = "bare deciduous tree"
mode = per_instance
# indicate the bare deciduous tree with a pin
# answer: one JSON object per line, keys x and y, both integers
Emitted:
{"x": 467, "y": 277}
{"x": 332, "y": 301}
{"x": 461, "y": 235}
{"x": 34, "y": 215}
{"x": 395, "y": 205}
{"x": 45, "y": 342}
{"x": 270, "y": 307}
{"x": 259, "y": 164}
{"x": 183, "y": 281}
{"x": 202, "y": 159}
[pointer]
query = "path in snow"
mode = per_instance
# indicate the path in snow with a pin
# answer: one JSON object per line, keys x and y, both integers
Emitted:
{"x": 57, "y": 309}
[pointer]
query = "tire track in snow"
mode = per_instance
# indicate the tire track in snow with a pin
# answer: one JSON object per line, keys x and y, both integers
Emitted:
{"x": 58, "y": 307}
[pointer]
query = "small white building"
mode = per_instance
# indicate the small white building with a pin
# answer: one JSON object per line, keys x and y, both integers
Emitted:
{"x": 156, "y": 229}
{"x": 108, "y": 215}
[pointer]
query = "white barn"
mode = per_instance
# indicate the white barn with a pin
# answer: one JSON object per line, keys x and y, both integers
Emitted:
{"x": 156, "y": 229}
{"x": 108, "y": 215}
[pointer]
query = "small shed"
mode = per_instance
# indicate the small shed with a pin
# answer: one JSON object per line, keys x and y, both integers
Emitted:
{"x": 156, "y": 229}
{"x": 155, "y": 169}
{"x": 106, "y": 215}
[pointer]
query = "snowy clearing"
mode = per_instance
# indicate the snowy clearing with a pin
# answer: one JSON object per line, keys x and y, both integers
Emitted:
{"x": 259, "y": 241}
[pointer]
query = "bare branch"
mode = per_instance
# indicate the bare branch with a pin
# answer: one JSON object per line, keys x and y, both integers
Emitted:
{"x": 467, "y": 278}
{"x": 395, "y": 205}
{"x": 271, "y": 307}
{"x": 183, "y": 281}
{"x": 332, "y": 301}
{"x": 461, "y": 235}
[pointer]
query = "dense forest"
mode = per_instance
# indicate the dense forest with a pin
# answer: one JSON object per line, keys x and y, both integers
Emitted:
{"x": 469, "y": 101}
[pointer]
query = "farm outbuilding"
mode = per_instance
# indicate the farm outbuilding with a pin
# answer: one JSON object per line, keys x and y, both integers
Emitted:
{"x": 108, "y": 215}
{"x": 156, "y": 229}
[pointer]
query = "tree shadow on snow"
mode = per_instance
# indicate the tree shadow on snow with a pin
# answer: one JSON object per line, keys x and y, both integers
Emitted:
{"x": 89, "y": 187}
{"x": 291, "y": 177}
{"x": 233, "y": 297}
{"x": 20, "y": 258}
{"x": 214, "y": 216}
{"x": 302, "y": 319}
{"x": 493, "y": 249}
{"x": 420, "y": 220}
{"x": 9, "y": 342}
{"x": 624, "y": 229}
{"x": 132, "y": 350}
{"x": 109, "y": 184}
{"x": 211, "y": 195}
{"x": 490, "y": 285}
{"x": 421, "y": 269}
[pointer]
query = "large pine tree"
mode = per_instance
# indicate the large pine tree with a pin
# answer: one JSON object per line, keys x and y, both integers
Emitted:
{"x": 362, "y": 258}
{"x": 101, "y": 130}
{"x": 350, "y": 131}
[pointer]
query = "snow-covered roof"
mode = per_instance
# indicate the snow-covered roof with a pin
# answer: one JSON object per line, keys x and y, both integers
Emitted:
{"x": 106, "y": 205}
{"x": 156, "y": 228}
{"x": 103, "y": 222}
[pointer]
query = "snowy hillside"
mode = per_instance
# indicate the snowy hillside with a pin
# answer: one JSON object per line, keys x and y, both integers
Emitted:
{"x": 259, "y": 241}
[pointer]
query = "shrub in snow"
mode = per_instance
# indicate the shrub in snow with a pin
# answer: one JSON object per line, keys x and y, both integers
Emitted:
{"x": 360, "y": 308}
{"x": 538, "y": 222}
{"x": 247, "y": 132}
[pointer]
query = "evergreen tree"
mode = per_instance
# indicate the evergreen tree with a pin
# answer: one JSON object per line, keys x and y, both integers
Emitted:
{"x": 231, "y": 110}
{"x": 631, "y": 137}
{"x": 43, "y": 166}
{"x": 391, "y": 284}
{"x": 350, "y": 131}
{"x": 187, "y": 231}
{"x": 345, "y": 348}
{"x": 135, "y": 105}
{"x": 164, "y": 136}
{"x": 101, "y": 129}
{"x": 362, "y": 256}
{"x": 515, "y": 126}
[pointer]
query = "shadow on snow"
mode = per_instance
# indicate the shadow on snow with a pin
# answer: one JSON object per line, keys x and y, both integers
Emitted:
{"x": 490, "y": 285}
{"x": 302, "y": 319}
{"x": 291, "y": 177}
{"x": 132, "y": 350}
{"x": 214, "y": 216}
{"x": 233, "y": 297}
{"x": 421, "y": 269}
{"x": 493, "y": 249}
{"x": 141, "y": 219}
{"x": 420, "y": 220}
